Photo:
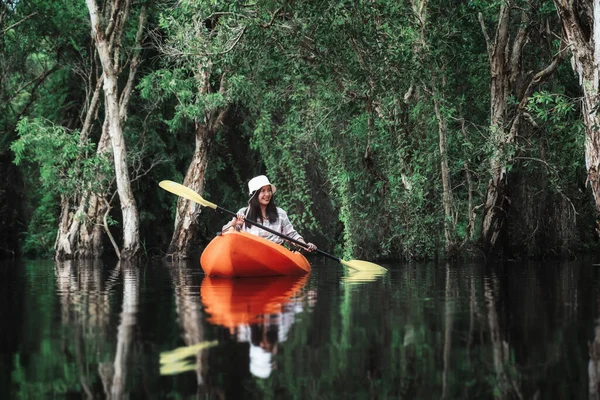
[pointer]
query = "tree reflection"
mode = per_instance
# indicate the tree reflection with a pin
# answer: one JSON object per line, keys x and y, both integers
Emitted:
{"x": 114, "y": 378}
{"x": 594, "y": 356}
{"x": 450, "y": 296}
{"x": 85, "y": 312}
{"x": 594, "y": 364}
{"x": 506, "y": 381}
{"x": 442, "y": 331}
{"x": 189, "y": 311}
{"x": 85, "y": 306}
{"x": 84, "y": 295}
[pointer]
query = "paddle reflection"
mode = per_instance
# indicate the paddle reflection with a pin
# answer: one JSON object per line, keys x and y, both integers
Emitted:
{"x": 362, "y": 276}
{"x": 259, "y": 311}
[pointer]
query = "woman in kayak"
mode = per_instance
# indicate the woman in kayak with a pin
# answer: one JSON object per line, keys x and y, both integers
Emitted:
{"x": 261, "y": 208}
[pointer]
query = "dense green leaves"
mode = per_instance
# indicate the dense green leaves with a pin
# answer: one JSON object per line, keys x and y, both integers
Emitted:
{"x": 335, "y": 101}
{"x": 75, "y": 171}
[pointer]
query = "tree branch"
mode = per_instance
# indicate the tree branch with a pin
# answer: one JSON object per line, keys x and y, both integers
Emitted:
{"x": 236, "y": 40}
{"x": 488, "y": 44}
{"x": 17, "y": 23}
{"x": 133, "y": 65}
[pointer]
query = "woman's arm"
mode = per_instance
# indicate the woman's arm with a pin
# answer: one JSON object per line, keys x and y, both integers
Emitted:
{"x": 288, "y": 230}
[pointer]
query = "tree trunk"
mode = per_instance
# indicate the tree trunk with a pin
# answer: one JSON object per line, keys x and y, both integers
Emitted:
{"x": 131, "y": 234}
{"x": 67, "y": 245}
{"x": 495, "y": 203}
{"x": 447, "y": 198}
{"x": 68, "y": 228}
{"x": 91, "y": 232}
{"x": 186, "y": 224}
{"x": 107, "y": 45}
{"x": 581, "y": 26}
{"x": 420, "y": 10}
{"x": 506, "y": 68}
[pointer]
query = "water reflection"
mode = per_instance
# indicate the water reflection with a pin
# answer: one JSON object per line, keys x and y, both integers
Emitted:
{"x": 506, "y": 377}
{"x": 84, "y": 295}
{"x": 114, "y": 388}
{"x": 185, "y": 279}
{"x": 354, "y": 276}
{"x": 594, "y": 364}
{"x": 257, "y": 311}
{"x": 86, "y": 308}
{"x": 510, "y": 331}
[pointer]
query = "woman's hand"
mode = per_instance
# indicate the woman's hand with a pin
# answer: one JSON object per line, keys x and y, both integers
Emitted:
{"x": 238, "y": 221}
{"x": 310, "y": 247}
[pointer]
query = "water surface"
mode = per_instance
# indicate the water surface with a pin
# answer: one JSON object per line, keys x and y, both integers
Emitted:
{"x": 444, "y": 331}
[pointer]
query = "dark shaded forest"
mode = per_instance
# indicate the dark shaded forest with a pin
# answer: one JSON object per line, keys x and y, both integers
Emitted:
{"x": 394, "y": 130}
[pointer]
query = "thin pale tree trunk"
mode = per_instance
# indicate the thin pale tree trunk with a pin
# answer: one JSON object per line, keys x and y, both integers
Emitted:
{"x": 581, "y": 27}
{"x": 447, "y": 198}
{"x": 67, "y": 245}
{"x": 131, "y": 239}
{"x": 420, "y": 10}
{"x": 91, "y": 231}
{"x": 107, "y": 39}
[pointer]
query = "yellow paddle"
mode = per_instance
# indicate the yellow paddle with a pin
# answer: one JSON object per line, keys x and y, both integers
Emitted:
{"x": 176, "y": 361}
{"x": 187, "y": 193}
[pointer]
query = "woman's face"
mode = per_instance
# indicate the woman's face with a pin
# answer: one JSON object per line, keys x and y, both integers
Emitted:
{"x": 265, "y": 194}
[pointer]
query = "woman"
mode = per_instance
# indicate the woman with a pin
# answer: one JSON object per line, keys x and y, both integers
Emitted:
{"x": 261, "y": 208}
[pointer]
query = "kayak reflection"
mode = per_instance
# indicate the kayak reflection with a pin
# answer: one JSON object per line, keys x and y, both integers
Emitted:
{"x": 259, "y": 311}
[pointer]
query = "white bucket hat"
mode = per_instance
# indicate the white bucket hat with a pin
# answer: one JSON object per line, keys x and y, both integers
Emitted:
{"x": 259, "y": 181}
{"x": 260, "y": 362}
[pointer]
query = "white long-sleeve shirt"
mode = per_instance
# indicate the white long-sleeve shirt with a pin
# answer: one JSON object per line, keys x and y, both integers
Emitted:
{"x": 282, "y": 225}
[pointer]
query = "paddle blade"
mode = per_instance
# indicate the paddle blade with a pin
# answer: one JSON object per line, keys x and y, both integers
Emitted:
{"x": 186, "y": 193}
{"x": 366, "y": 266}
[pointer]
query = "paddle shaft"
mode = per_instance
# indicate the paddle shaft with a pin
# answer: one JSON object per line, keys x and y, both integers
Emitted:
{"x": 273, "y": 231}
{"x": 187, "y": 193}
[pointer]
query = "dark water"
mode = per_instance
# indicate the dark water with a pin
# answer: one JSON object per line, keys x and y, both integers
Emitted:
{"x": 103, "y": 330}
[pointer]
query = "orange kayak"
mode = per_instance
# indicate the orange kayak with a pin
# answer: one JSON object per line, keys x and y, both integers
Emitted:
{"x": 238, "y": 254}
{"x": 232, "y": 302}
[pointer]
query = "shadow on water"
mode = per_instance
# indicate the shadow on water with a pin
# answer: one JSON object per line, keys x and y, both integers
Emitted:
{"x": 110, "y": 330}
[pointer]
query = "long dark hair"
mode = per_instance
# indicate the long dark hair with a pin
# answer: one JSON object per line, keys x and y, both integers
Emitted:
{"x": 254, "y": 213}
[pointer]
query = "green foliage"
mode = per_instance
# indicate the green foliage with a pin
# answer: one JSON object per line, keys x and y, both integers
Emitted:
{"x": 67, "y": 166}
{"x": 38, "y": 239}
{"x": 333, "y": 100}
